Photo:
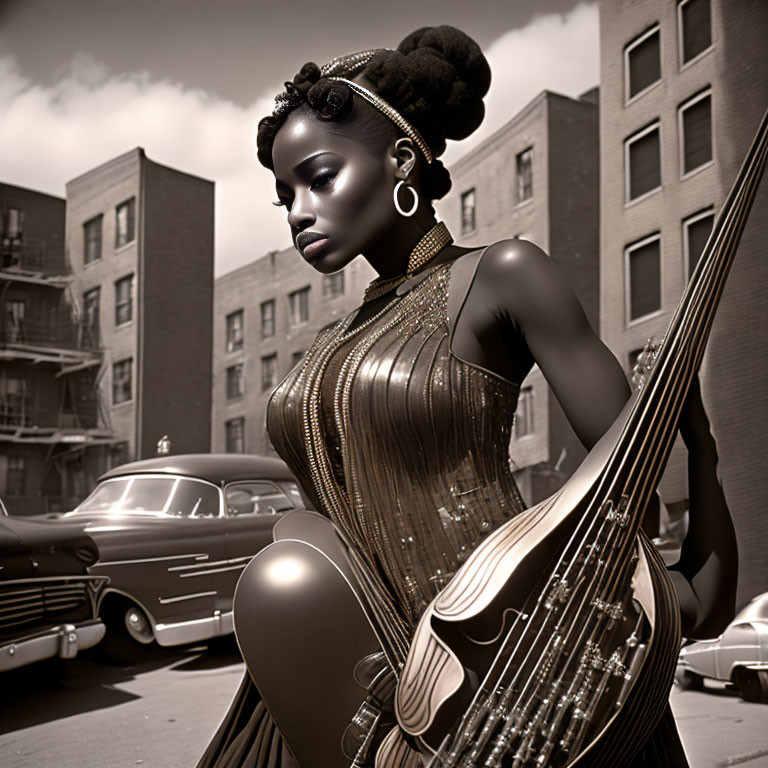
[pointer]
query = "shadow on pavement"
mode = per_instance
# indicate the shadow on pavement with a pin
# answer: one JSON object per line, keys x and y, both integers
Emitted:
{"x": 53, "y": 689}
{"x": 220, "y": 652}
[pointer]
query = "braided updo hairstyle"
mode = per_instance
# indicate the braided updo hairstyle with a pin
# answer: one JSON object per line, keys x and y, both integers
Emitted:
{"x": 436, "y": 80}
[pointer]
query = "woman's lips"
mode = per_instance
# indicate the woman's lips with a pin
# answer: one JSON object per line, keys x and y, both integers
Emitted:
{"x": 314, "y": 248}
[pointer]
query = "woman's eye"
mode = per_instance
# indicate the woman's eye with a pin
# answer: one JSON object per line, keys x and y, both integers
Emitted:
{"x": 283, "y": 201}
{"x": 322, "y": 180}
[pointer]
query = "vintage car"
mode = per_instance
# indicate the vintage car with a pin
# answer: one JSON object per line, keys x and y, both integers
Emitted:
{"x": 48, "y": 601}
{"x": 174, "y": 534}
{"x": 739, "y": 655}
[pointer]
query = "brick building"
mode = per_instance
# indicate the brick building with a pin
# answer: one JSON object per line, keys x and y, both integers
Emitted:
{"x": 683, "y": 87}
{"x": 537, "y": 178}
{"x": 53, "y": 438}
{"x": 140, "y": 242}
{"x": 267, "y": 313}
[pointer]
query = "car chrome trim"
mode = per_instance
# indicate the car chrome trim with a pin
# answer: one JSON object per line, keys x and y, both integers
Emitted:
{"x": 215, "y": 570}
{"x": 196, "y": 556}
{"x": 229, "y": 561}
{"x": 192, "y": 631}
{"x": 166, "y": 600}
{"x": 63, "y": 640}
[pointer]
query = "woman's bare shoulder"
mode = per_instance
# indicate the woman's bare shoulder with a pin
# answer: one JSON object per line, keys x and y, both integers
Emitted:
{"x": 522, "y": 279}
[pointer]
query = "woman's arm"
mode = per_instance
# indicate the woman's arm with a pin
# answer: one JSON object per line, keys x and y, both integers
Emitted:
{"x": 705, "y": 577}
{"x": 528, "y": 290}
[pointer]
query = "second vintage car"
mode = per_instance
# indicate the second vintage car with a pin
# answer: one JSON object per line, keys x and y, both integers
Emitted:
{"x": 739, "y": 655}
{"x": 174, "y": 533}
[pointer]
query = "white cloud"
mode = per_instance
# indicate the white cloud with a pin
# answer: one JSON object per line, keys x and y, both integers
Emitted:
{"x": 52, "y": 134}
{"x": 87, "y": 118}
{"x": 555, "y": 52}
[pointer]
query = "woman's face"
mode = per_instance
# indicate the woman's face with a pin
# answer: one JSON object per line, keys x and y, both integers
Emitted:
{"x": 338, "y": 194}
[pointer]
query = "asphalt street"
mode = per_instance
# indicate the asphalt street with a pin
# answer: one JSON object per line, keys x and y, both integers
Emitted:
{"x": 162, "y": 712}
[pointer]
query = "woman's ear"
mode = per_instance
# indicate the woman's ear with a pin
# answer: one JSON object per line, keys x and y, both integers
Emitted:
{"x": 405, "y": 157}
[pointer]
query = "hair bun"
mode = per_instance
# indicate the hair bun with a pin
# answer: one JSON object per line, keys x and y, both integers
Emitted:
{"x": 436, "y": 79}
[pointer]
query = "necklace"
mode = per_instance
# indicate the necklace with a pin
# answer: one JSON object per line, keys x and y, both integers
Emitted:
{"x": 426, "y": 249}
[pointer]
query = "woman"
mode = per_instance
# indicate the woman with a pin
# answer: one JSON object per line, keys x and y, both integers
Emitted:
{"x": 397, "y": 421}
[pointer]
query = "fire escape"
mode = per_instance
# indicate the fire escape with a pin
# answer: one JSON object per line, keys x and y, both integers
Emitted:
{"x": 46, "y": 342}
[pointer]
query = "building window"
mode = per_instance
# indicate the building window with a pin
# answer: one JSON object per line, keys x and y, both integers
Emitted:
{"x": 268, "y": 371}
{"x": 267, "y": 318}
{"x": 643, "y": 270}
{"x": 695, "y": 123}
{"x": 16, "y": 476}
{"x": 235, "y": 331}
{"x": 124, "y": 300}
{"x": 235, "y": 378}
{"x": 468, "y": 211}
{"x": 642, "y": 162}
{"x": 642, "y": 62}
{"x": 297, "y": 357}
{"x": 696, "y": 230}
{"x": 694, "y": 26}
{"x": 13, "y": 225}
{"x": 524, "y": 167}
{"x": 524, "y": 413}
{"x": 14, "y": 406}
{"x": 122, "y": 381}
{"x": 125, "y": 223}
{"x": 333, "y": 285}
{"x": 90, "y": 324}
{"x": 92, "y": 239}
{"x": 235, "y": 435}
{"x": 299, "y": 306}
{"x": 15, "y": 312}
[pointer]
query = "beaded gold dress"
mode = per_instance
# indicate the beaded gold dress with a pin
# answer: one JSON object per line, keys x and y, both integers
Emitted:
{"x": 404, "y": 445}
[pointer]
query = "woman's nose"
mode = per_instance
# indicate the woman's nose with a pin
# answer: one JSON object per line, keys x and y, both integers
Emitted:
{"x": 301, "y": 214}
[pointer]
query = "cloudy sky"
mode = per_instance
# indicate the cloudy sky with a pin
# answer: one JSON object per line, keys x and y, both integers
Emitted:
{"x": 84, "y": 80}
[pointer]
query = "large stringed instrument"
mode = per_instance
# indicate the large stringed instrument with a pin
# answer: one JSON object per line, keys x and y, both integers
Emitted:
{"x": 555, "y": 642}
{"x": 553, "y": 645}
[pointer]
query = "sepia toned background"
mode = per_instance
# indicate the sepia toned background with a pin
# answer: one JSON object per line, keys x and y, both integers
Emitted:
{"x": 148, "y": 287}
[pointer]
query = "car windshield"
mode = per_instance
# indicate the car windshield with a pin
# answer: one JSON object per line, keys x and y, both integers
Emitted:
{"x": 153, "y": 495}
{"x": 757, "y": 609}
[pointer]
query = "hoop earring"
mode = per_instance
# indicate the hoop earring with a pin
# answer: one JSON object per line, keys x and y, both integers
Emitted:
{"x": 415, "y": 194}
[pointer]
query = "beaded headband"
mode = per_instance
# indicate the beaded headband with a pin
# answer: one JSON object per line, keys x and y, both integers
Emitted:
{"x": 354, "y": 63}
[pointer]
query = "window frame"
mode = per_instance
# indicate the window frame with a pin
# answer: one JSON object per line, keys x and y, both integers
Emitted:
{"x": 271, "y": 357}
{"x": 23, "y": 475}
{"x": 681, "y": 42}
{"x": 241, "y": 389}
{"x": 129, "y": 279}
{"x": 262, "y": 306}
{"x": 522, "y": 200}
{"x": 115, "y": 364}
{"x": 232, "y": 421}
{"x": 464, "y": 195}
{"x": 94, "y": 220}
{"x": 629, "y": 321}
{"x": 524, "y": 404}
{"x": 655, "y": 125}
{"x": 702, "y": 213}
{"x": 294, "y": 296}
{"x": 700, "y": 95}
{"x": 130, "y": 204}
{"x": 227, "y": 318}
{"x": 641, "y": 38}
{"x": 331, "y": 279}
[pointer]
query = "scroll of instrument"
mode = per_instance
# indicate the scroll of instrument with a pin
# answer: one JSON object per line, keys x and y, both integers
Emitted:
{"x": 555, "y": 643}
